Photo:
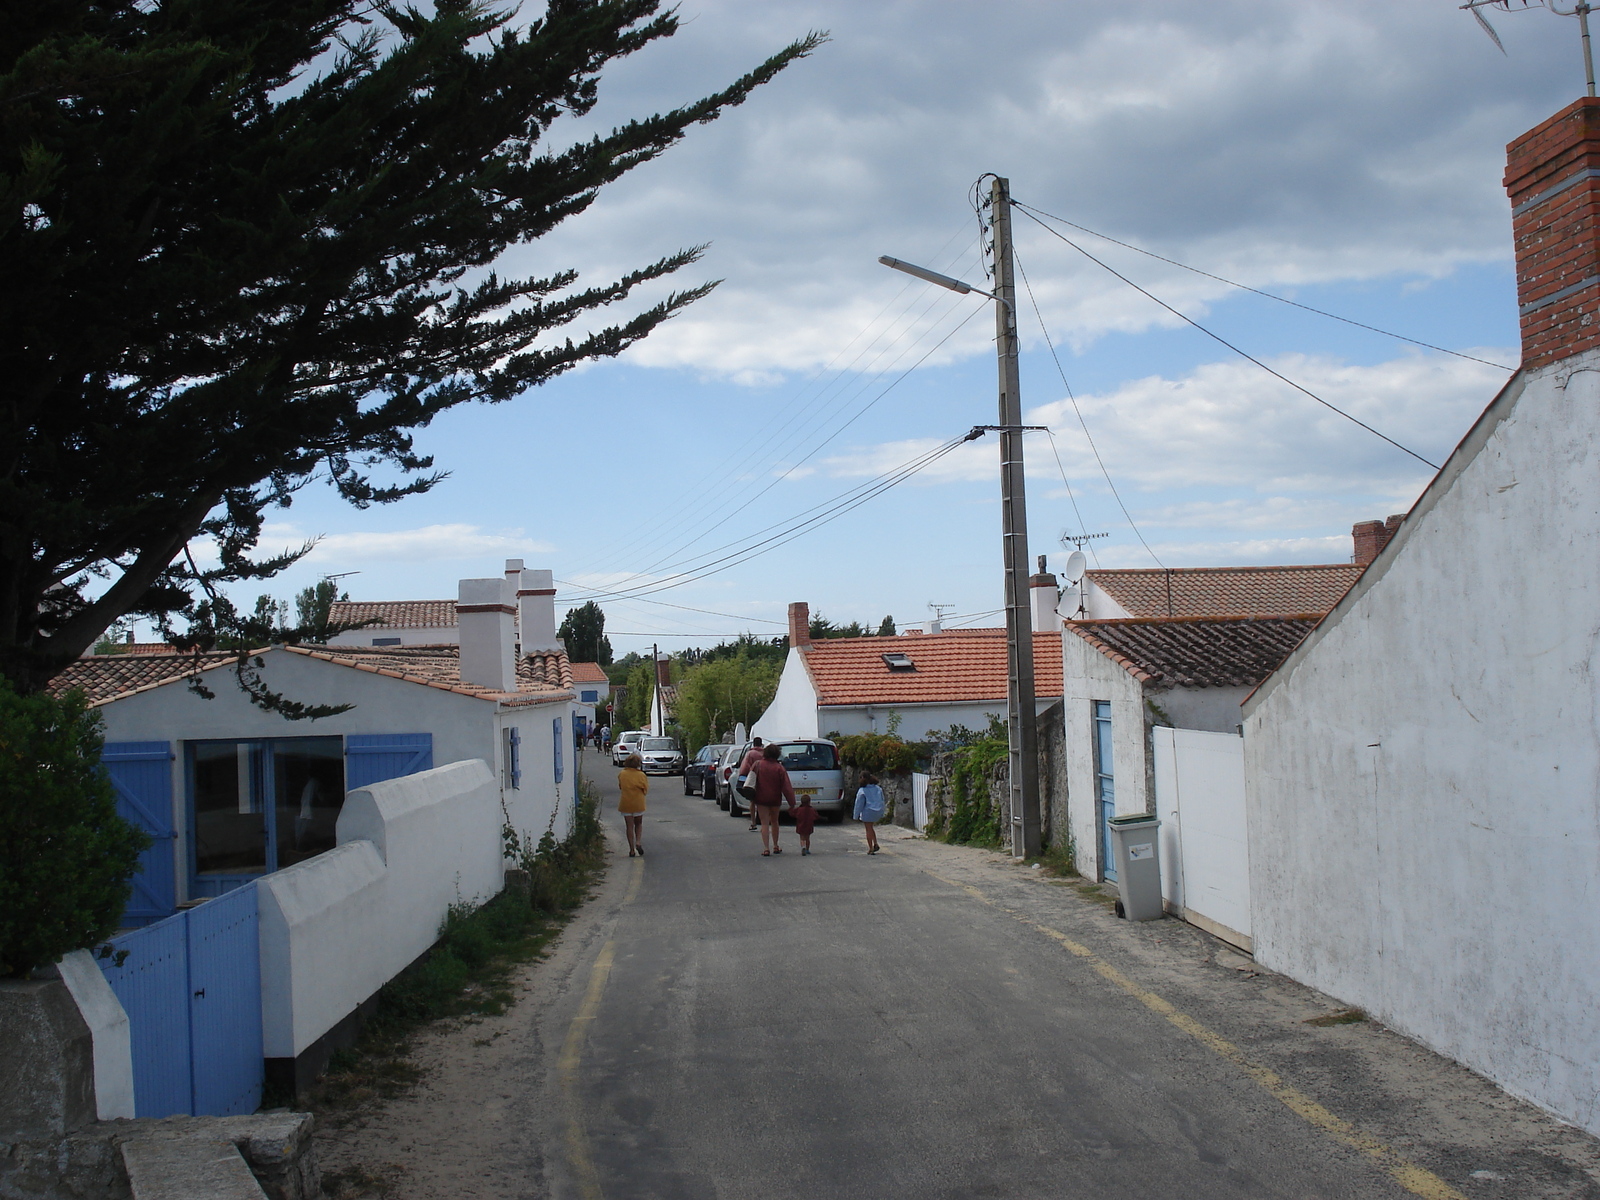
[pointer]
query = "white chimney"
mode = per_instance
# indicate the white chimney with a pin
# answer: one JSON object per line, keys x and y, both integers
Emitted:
{"x": 514, "y": 573}
{"x": 536, "y": 611}
{"x": 484, "y": 612}
{"x": 1046, "y": 595}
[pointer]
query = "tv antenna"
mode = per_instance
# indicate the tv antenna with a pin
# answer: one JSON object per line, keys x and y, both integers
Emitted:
{"x": 939, "y": 610}
{"x": 1581, "y": 9}
{"x": 1078, "y": 539}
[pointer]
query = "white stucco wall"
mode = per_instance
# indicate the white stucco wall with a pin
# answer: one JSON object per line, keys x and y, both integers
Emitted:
{"x": 337, "y": 927}
{"x": 109, "y": 1030}
{"x": 1423, "y": 775}
{"x": 1088, "y": 676}
{"x": 439, "y": 635}
{"x": 916, "y": 720}
{"x": 1214, "y": 710}
{"x": 793, "y": 711}
{"x": 1098, "y": 606}
{"x": 529, "y": 808}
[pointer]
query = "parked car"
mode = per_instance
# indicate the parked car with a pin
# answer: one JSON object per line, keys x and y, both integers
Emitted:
{"x": 700, "y": 775}
{"x": 723, "y": 775}
{"x": 813, "y": 766}
{"x": 662, "y": 755}
{"x": 627, "y": 743}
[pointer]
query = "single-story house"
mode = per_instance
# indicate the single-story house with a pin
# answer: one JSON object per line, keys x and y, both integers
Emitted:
{"x": 1421, "y": 773}
{"x": 433, "y": 622}
{"x": 231, "y": 792}
{"x": 930, "y": 681}
{"x": 1123, "y": 678}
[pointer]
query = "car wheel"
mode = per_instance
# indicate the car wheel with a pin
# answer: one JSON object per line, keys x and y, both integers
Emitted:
{"x": 708, "y": 789}
{"x": 687, "y": 790}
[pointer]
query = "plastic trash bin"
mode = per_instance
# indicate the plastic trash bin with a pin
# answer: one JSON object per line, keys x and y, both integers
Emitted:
{"x": 1137, "y": 854}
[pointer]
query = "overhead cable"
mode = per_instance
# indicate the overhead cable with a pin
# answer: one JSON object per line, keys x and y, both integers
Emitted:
{"x": 1224, "y": 341}
{"x": 1245, "y": 287}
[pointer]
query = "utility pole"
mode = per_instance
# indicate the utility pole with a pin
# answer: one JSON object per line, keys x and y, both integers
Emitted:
{"x": 1023, "y": 712}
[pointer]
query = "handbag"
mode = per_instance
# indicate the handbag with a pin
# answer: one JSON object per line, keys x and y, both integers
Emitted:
{"x": 747, "y": 786}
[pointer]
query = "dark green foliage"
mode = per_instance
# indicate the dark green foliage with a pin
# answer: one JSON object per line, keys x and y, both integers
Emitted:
{"x": 250, "y": 244}
{"x": 65, "y": 855}
{"x": 583, "y": 632}
{"x": 313, "y": 606}
{"x": 746, "y": 645}
{"x": 717, "y": 694}
{"x": 887, "y": 629}
{"x": 973, "y": 817}
{"x": 822, "y": 628}
{"x": 880, "y": 752}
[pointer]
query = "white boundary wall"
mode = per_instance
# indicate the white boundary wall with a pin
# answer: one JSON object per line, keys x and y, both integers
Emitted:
{"x": 336, "y": 928}
{"x": 1205, "y": 854}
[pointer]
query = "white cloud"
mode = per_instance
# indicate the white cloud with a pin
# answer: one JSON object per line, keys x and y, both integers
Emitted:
{"x": 431, "y": 543}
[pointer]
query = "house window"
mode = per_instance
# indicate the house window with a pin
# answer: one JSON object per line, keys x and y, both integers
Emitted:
{"x": 263, "y": 805}
{"x": 513, "y": 758}
{"x": 555, "y": 729}
{"x": 391, "y": 641}
{"x": 589, "y": 696}
{"x": 1104, "y": 784}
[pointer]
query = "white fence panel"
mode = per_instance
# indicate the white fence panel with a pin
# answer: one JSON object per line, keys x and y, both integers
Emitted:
{"x": 1205, "y": 856}
{"x": 919, "y": 800}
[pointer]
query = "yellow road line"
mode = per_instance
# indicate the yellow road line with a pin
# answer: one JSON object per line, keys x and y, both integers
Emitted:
{"x": 1408, "y": 1175}
{"x": 578, "y": 1155}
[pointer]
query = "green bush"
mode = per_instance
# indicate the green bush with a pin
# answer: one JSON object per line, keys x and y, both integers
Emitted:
{"x": 66, "y": 857}
{"x": 974, "y": 818}
{"x": 879, "y": 752}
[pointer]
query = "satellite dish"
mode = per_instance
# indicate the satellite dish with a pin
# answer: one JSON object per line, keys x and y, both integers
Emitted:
{"x": 1076, "y": 564}
{"x": 1071, "y": 600}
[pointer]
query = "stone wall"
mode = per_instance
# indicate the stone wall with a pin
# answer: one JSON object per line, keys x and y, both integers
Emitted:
{"x": 896, "y": 787}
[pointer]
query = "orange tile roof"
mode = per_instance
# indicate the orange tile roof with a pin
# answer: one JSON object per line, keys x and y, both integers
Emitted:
{"x": 395, "y": 614}
{"x": 103, "y": 678}
{"x": 589, "y": 673}
{"x": 953, "y": 667}
{"x": 1227, "y": 591}
{"x": 1198, "y": 651}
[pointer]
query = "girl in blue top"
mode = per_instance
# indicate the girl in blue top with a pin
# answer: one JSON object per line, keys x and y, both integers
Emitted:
{"x": 869, "y": 808}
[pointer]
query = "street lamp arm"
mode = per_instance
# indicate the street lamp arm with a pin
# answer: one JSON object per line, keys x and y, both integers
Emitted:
{"x": 944, "y": 281}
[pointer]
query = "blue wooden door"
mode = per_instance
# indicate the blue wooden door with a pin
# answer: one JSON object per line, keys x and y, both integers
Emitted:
{"x": 149, "y": 972}
{"x": 225, "y": 1005}
{"x": 1105, "y": 786}
{"x": 374, "y": 757}
{"x": 141, "y": 773}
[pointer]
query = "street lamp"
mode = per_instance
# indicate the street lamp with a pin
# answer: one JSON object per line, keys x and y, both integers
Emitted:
{"x": 1022, "y": 727}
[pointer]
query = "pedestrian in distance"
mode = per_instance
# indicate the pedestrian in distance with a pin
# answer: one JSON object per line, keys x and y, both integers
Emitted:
{"x": 772, "y": 789}
{"x": 746, "y": 765}
{"x": 605, "y": 737}
{"x": 869, "y": 808}
{"x": 805, "y": 820}
{"x": 634, "y": 785}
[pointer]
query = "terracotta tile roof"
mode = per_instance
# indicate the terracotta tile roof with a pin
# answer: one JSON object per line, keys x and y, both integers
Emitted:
{"x": 1198, "y": 651}
{"x": 540, "y": 677}
{"x": 1227, "y": 591}
{"x": 589, "y": 673}
{"x": 396, "y": 614}
{"x": 953, "y": 667}
{"x": 102, "y": 677}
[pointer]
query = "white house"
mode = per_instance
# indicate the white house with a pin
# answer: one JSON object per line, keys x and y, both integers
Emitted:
{"x": 1422, "y": 772}
{"x": 434, "y": 622}
{"x": 232, "y": 792}
{"x": 1117, "y": 593}
{"x": 928, "y": 680}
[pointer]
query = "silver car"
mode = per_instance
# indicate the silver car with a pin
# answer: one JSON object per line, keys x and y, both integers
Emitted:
{"x": 627, "y": 743}
{"x": 662, "y": 756}
{"x": 813, "y": 766}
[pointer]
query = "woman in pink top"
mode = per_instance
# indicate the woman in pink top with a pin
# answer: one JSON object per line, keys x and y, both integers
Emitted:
{"x": 772, "y": 789}
{"x": 746, "y": 764}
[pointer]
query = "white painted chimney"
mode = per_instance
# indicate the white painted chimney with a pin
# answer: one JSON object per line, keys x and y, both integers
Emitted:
{"x": 1046, "y": 596}
{"x": 485, "y": 609}
{"x": 536, "y": 610}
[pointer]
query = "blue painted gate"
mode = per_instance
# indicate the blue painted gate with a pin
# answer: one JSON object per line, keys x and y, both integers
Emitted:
{"x": 374, "y": 757}
{"x": 141, "y": 773}
{"x": 191, "y": 986}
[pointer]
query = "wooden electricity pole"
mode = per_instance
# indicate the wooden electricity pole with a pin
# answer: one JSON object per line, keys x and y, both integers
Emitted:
{"x": 1023, "y": 723}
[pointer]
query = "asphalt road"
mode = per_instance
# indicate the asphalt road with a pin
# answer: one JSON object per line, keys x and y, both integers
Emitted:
{"x": 935, "y": 1022}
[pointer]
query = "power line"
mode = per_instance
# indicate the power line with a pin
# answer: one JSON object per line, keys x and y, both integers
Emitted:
{"x": 1132, "y": 524}
{"x": 686, "y": 607}
{"x": 1257, "y": 291}
{"x": 1224, "y": 341}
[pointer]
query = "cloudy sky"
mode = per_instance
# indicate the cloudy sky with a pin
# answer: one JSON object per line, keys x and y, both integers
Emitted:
{"x": 1347, "y": 156}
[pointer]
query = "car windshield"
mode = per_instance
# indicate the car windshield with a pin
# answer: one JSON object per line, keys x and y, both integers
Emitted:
{"x": 809, "y": 756}
{"x": 660, "y": 744}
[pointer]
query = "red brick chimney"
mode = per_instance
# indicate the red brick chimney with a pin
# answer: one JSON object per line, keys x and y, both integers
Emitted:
{"x": 1371, "y": 537}
{"x": 1553, "y": 179}
{"x": 664, "y": 671}
{"x": 799, "y": 624}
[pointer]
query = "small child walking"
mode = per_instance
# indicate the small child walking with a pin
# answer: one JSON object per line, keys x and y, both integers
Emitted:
{"x": 805, "y": 820}
{"x": 870, "y": 806}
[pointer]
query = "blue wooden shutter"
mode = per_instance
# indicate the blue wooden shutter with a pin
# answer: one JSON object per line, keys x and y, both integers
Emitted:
{"x": 514, "y": 757}
{"x": 141, "y": 773}
{"x": 374, "y": 757}
{"x": 555, "y": 728}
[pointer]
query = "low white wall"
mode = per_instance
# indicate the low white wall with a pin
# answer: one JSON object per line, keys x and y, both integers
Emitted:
{"x": 336, "y": 928}
{"x": 108, "y": 1026}
{"x": 1205, "y": 856}
{"x": 1088, "y": 676}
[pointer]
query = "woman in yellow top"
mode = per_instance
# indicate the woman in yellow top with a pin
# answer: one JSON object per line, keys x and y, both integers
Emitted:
{"x": 634, "y": 785}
